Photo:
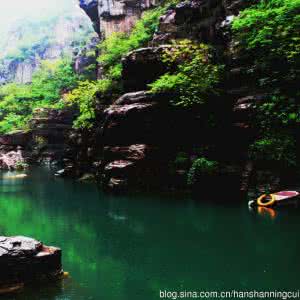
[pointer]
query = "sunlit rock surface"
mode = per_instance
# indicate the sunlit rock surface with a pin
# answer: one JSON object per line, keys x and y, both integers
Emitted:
{"x": 114, "y": 16}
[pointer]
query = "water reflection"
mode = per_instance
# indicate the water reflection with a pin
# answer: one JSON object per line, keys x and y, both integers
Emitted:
{"x": 130, "y": 247}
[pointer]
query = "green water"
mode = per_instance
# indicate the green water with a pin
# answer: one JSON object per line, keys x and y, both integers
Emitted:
{"x": 131, "y": 247}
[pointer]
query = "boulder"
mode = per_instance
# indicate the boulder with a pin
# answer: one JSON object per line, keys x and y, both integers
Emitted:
{"x": 24, "y": 260}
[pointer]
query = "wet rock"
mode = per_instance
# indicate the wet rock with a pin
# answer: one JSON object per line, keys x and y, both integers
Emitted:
{"x": 119, "y": 168}
{"x": 135, "y": 152}
{"x": 24, "y": 259}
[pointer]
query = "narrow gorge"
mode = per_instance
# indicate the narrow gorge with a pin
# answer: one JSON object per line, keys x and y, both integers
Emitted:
{"x": 154, "y": 145}
{"x": 140, "y": 135}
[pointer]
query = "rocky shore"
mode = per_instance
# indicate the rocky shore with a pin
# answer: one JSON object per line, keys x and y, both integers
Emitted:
{"x": 24, "y": 260}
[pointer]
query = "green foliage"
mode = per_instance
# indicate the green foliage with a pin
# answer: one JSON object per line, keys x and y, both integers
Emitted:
{"x": 12, "y": 122}
{"x": 18, "y": 101}
{"x": 114, "y": 47}
{"x": 85, "y": 97}
{"x": 275, "y": 148}
{"x": 271, "y": 28}
{"x": 53, "y": 79}
{"x": 202, "y": 167}
{"x": 268, "y": 34}
{"x": 193, "y": 78}
{"x": 268, "y": 38}
{"x": 278, "y": 111}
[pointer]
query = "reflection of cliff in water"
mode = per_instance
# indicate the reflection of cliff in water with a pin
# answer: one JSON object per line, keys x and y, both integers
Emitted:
{"x": 128, "y": 247}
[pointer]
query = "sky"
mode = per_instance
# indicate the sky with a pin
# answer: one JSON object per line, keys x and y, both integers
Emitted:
{"x": 11, "y": 10}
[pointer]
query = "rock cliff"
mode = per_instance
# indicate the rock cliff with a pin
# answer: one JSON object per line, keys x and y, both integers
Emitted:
{"x": 28, "y": 43}
{"x": 141, "y": 133}
{"x": 137, "y": 137}
{"x": 111, "y": 16}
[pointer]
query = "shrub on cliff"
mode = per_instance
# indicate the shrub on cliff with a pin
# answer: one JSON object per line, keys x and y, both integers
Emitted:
{"x": 270, "y": 29}
{"x": 201, "y": 167}
{"x": 277, "y": 111}
{"x": 85, "y": 96}
{"x": 193, "y": 77}
{"x": 275, "y": 148}
{"x": 268, "y": 36}
{"x": 114, "y": 47}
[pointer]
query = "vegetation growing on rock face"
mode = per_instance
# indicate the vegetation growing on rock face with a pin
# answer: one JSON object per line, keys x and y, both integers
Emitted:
{"x": 54, "y": 79}
{"x": 270, "y": 30}
{"x": 119, "y": 44}
{"x": 268, "y": 36}
{"x": 112, "y": 49}
{"x": 85, "y": 96}
{"x": 266, "y": 46}
{"x": 276, "y": 148}
{"x": 194, "y": 79}
{"x": 18, "y": 101}
{"x": 201, "y": 167}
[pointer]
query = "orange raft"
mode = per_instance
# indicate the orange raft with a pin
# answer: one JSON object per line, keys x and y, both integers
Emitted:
{"x": 283, "y": 197}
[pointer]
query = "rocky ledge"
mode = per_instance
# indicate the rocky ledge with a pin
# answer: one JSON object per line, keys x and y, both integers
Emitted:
{"x": 24, "y": 260}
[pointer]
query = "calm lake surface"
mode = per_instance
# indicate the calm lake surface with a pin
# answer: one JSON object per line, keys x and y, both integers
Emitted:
{"x": 131, "y": 247}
